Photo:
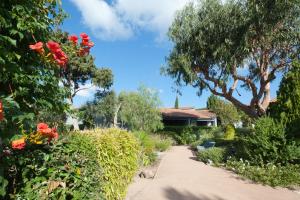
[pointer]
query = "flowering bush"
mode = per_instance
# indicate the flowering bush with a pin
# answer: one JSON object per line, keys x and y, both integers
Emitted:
{"x": 66, "y": 170}
{"x": 270, "y": 174}
{"x": 44, "y": 134}
{"x": 58, "y": 55}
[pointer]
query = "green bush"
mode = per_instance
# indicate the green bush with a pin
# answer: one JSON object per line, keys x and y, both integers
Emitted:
{"x": 187, "y": 136}
{"x": 229, "y": 132}
{"x": 162, "y": 142}
{"x": 147, "y": 143}
{"x": 179, "y": 129}
{"x": 216, "y": 154}
{"x": 243, "y": 131}
{"x": 268, "y": 144}
{"x": 117, "y": 154}
{"x": 287, "y": 107}
{"x": 67, "y": 170}
{"x": 270, "y": 174}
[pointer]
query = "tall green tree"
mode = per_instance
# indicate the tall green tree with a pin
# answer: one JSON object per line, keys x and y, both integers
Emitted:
{"x": 140, "y": 110}
{"x": 287, "y": 107}
{"x": 176, "y": 103}
{"x": 234, "y": 45}
{"x": 225, "y": 111}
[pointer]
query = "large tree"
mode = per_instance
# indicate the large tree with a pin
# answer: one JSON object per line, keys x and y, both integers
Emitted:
{"x": 140, "y": 110}
{"x": 235, "y": 45}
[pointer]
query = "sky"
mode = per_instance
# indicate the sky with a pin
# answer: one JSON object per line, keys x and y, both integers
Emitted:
{"x": 130, "y": 38}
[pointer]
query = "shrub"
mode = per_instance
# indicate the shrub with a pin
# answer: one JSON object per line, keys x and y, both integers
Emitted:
{"x": 218, "y": 132}
{"x": 117, "y": 153}
{"x": 162, "y": 143}
{"x": 287, "y": 107}
{"x": 270, "y": 174}
{"x": 268, "y": 143}
{"x": 216, "y": 154}
{"x": 186, "y": 137}
{"x": 67, "y": 170}
{"x": 243, "y": 131}
{"x": 229, "y": 132}
{"x": 147, "y": 143}
{"x": 185, "y": 134}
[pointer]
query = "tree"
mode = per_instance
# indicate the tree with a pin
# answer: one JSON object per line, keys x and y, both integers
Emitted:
{"x": 101, "y": 111}
{"x": 235, "y": 45}
{"x": 28, "y": 84}
{"x": 176, "y": 103}
{"x": 81, "y": 67}
{"x": 225, "y": 111}
{"x": 139, "y": 110}
{"x": 287, "y": 107}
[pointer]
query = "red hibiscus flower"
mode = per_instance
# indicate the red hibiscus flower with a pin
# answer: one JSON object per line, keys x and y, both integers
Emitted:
{"x": 1, "y": 111}
{"x": 44, "y": 129}
{"x": 38, "y": 47}
{"x": 73, "y": 38}
{"x": 18, "y": 144}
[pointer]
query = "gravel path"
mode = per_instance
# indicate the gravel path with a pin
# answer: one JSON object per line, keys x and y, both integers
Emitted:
{"x": 180, "y": 177}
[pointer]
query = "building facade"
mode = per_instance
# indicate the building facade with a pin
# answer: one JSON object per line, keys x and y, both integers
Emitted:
{"x": 188, "y": 116}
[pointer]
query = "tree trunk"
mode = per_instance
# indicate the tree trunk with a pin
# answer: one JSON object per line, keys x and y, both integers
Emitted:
{"x": 116, "y": 115}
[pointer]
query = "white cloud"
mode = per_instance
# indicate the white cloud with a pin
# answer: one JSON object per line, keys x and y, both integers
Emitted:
{"x": 122, "y": 18}
{"x": 102, "y": 19}
{"x": 88, "y": 92}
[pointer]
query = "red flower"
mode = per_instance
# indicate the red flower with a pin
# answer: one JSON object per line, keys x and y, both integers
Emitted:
{"x": 53, "y": 46}
{"x": 85, "y": 39}
{"x": 53, "y": 135}
{"x": 90, "y": 44}
{"x": 43, "y": 129}
{"x": 59, "y": 56}
{"x": 18, "y": 144}
{"x": 1, "y": 111}
{"x": 38, "y": 47}
{"x": 84, "y": 36}
{"x": 73, "y": 38}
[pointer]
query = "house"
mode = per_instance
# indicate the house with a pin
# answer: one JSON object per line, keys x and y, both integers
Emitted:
{"x": 188, "y": 116}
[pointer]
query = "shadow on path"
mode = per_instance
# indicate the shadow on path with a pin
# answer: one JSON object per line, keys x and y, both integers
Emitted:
{"x": 173, "y": 194}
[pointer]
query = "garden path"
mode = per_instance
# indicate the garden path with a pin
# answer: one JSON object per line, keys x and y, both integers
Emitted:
{"x": 181, "y": 177}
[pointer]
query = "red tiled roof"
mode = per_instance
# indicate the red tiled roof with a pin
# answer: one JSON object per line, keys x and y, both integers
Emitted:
{"x": 188, "y": 113}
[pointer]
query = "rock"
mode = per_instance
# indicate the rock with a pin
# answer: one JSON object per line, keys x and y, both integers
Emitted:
{"x": 209, "y": 162}
{"x": 146, "y": 174}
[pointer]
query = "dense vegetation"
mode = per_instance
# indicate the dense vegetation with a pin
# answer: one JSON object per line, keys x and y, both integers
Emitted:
{"x": 42, "y": 68}
{"x": 228, "y": 46}
{"x": 117, "y": 153}
{"x": 287, "y": 108}
{"x": 66, "y": 170}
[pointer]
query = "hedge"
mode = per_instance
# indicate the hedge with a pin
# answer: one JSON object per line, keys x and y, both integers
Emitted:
{"x": 118, "y": 152}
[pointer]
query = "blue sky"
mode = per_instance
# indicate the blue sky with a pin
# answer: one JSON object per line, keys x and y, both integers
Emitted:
{"x": 130, "y": 38}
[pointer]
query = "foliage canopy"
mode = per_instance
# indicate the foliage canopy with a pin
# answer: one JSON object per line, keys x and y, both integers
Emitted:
{"x": 228, "y": 46}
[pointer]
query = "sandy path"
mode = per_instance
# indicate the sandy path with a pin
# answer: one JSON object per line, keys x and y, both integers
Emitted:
{"x": 180, "y": 177}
